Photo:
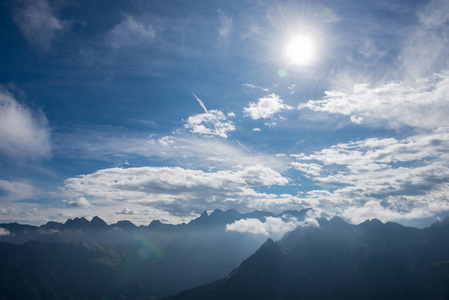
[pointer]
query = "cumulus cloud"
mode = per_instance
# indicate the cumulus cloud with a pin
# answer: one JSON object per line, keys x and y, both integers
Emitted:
{"x": 388, "y": 178}
{"x": 423, "y": 104}
{"x": 270, "y": 226}
{"x": 80, "y": 202}
{"x": 4, "y": 232}
{"x": 266, "y": 107}
{"x": 37, "y": 21}
{"x": 179, "y": 189}
{"x": 130, "y": 32}
{"x": 211, "y": 123}
{"x": 24, "y": 133}
{"x": 126, "y": 211}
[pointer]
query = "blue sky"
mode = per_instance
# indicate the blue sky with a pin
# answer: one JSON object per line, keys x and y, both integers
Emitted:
{"x": 147, "y": 110}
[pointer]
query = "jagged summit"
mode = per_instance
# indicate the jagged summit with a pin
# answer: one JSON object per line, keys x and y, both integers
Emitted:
{"x": 97, "y": 223}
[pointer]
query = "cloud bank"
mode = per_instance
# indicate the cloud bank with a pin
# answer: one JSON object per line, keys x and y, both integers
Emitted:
{"x": 177, "y": 189}
{"x": 270, "y": 226}
{"x": 422, "y": 105}
{"x": 388, "y": 178}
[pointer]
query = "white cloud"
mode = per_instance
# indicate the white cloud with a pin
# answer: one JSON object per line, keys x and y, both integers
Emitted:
{"x": 130, "y": 32}
{"x": 37, "y": 22}
{"x": 308, "y": 168}
{"x": 126, "y": 211}
{"x": 4, "y": 232}
{"x": 266, "y": 107}
{"x": 402, "y": 179}
{"x": 80, "y": 202}
{"x": 24, "y": 133}
{"x": 212, "y": 123}
{"x": 257, "y": 129}
{"x": 373, "y": 209}
{"x": 270, "y": 226}
{"x": 177, "y": 189}
{"x": 423, "y": 104}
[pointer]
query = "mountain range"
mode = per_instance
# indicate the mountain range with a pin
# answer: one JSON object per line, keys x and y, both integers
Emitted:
{"x": 82, "y": 259}
{"x": 327, "y": 259}
{"x": 336, "y": 260}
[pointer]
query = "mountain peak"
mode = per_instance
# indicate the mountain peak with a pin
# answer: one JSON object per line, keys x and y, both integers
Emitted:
{"x": 204, "y": 214}
{"x": 98, "y": 223}
{"x": 217, "y": 212}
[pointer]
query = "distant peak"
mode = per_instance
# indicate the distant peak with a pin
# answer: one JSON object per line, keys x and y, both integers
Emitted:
{"x": 372, "y": 222}
{"x": 217, "y": 212}
{"x": 98, "y": 222}
{"x": 204, "y": 214}
{"x": 337, "y": 219}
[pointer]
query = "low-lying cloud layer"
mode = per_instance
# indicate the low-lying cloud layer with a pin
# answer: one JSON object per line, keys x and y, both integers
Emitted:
{"x": 272, "y": 225}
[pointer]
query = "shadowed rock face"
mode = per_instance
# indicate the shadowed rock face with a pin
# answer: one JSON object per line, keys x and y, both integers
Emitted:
{"x": 341, "y": 261}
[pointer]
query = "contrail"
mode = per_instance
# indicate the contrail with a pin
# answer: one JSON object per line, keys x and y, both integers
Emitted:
{"x": 200, "y": 102}
{"x": 244, "y": 147}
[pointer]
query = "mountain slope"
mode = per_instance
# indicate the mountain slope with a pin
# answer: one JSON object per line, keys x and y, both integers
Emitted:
{"x": 341, "y": 261}
{"x": 82, "y": 259}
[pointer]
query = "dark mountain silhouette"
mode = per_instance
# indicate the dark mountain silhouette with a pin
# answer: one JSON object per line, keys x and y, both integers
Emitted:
{"x": 82, "y": 259}
{"x": 341, "y": 261}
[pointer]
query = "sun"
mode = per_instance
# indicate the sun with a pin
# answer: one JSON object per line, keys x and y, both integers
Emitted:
{"x": 300, "y": 51}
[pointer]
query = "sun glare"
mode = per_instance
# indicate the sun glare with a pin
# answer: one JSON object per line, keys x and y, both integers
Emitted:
{"x": 300, "y": 51}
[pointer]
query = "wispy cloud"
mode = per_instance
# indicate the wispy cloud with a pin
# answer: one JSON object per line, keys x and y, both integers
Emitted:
{"x": 38, "y": 22}
{"x": 130, "y": 32}
{"x": 225, "y": 29}
{"x": 16, "y": 190}
{"x": 24, "y": 133}
{"x": 252, "y": 86}
{"x": 266, "y": 107}
{"x": 425, "y": 51}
